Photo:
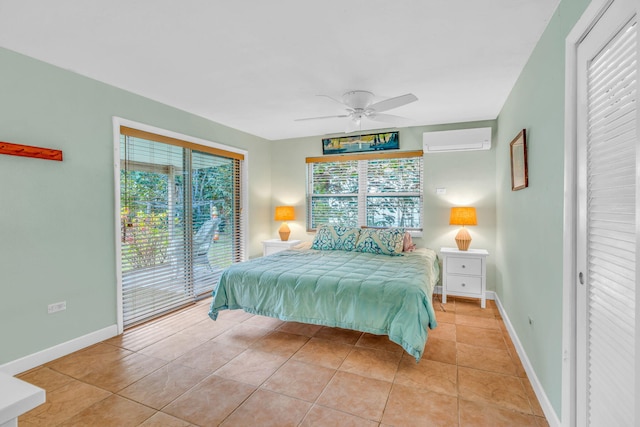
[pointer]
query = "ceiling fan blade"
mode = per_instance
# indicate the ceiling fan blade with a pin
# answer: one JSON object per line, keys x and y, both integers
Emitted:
{"x": 395, "y": 102}
{"x": 390, "y": 118}
{"x": 322, "y": 117}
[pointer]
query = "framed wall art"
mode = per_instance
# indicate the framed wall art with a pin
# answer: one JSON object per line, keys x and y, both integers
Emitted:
{"x": 361, "y": 143}
{"x": 519, "y": 173}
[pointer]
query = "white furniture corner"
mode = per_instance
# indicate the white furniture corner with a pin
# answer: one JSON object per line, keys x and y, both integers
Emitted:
{"x": 464, "y": 273}
{"x": 272, "y": 246}
{"x": 16, "y": 398}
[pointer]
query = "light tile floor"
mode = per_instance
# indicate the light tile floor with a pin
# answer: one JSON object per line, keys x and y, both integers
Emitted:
{"x": 244, "y": 370}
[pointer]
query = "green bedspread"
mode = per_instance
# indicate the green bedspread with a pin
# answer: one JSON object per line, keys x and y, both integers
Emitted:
{"x": 379, "y": 294}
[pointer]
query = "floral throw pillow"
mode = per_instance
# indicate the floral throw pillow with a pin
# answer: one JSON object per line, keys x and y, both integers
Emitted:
{"x": 377, "y": 241}
{"x": 335, "y": 238}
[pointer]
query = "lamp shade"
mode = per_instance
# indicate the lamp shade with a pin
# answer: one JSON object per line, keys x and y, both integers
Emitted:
{"x": 285, "y": 213}
{"x": 463, "y": 215}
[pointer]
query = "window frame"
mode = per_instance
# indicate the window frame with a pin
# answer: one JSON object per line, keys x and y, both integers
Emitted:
{"x": 362, "y": 195}
{"x": 174, "y": 138}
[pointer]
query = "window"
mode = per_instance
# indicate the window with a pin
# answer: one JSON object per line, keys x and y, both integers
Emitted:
{"x": 376, "y": 190}
{"x": 180, "y": 223}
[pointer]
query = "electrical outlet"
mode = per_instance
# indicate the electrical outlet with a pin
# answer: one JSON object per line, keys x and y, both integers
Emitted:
{"x": 441, "y": 191}
{"x": 57, "y": 306}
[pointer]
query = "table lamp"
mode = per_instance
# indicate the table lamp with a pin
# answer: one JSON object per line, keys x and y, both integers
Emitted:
{"x": 284, "y": 213}
{"x": 463, "y": 215}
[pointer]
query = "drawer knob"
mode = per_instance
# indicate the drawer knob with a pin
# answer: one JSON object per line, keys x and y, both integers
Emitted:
{"x": 464, "y": 284}
{"x": 464, "y": 266}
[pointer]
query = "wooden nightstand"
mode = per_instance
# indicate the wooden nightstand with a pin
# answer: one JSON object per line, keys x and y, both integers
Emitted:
{"x": 272, "y": 246}
{"x": 464, "y": 273}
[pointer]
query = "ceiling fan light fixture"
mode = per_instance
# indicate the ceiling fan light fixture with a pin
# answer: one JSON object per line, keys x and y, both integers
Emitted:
{"x": 358, "y": 98}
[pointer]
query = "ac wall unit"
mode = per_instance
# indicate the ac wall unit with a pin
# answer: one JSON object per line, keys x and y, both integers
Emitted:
{"x": 457, "y": 140}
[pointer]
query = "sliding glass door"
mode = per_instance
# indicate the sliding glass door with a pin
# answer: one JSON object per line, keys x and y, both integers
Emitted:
{"x": 180, "y": 222}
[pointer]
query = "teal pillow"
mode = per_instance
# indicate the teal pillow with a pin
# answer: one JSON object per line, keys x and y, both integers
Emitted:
{"x": 335, "y": 238}
{"x": 388, "y": 241}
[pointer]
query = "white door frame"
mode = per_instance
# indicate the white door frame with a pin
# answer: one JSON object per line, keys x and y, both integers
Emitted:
{"x": 570, "y": 280}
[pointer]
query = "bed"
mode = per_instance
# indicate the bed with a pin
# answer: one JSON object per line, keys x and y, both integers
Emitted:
{"x": 382, "y": 294}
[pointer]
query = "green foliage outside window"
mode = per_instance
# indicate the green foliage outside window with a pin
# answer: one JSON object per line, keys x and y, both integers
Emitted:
{"x": 383, "y": 192}
{"x": 145, "y": 237}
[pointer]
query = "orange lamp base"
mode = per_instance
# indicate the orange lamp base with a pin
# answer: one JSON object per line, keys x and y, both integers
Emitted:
{"x": 284, "y": 232}
{"x": 463, "y": 239}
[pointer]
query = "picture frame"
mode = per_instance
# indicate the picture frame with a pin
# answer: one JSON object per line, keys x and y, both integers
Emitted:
{"x": 361, "y": 143}
{"x": 519, "y": 168}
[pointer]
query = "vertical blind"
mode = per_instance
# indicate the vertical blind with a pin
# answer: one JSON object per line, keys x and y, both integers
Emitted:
{"x": 612, "y": 230}
{"x": 376, "y": 190}
{"x": 180, "y": 221}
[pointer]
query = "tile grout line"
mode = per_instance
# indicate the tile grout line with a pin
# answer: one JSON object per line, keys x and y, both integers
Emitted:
{"x": 259, "y": 387}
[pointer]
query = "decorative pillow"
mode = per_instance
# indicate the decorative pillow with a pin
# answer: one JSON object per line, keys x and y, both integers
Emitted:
{"x": 387, "y": 241}
{"x": 335, "y": 238}
{"x": 323, "y": 239}
{"x": 407, "y": 244}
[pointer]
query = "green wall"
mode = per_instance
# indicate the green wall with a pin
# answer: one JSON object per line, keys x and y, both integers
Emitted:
{"x": 57, "y": 236}
{"x": 529, "y": 232}
{"x": 469, "y": 178}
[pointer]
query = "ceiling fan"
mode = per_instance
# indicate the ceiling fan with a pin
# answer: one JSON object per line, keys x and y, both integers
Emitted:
{"x": 359, "y": 105}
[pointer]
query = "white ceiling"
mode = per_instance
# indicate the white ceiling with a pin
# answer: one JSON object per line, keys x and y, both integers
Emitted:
{"x": 257, "y": 65}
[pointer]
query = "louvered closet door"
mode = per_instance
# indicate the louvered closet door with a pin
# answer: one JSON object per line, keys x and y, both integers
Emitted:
{"x": 607, "y": 228}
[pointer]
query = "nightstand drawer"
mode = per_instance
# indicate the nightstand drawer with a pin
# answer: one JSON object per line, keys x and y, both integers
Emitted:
{"x": 468, "y": 285}
{"x": 460, "y": 265}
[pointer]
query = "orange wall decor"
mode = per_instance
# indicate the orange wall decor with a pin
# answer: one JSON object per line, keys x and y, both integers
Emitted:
{"x": 29, "y": 151}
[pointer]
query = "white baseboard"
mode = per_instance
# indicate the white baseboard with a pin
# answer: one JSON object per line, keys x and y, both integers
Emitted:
{"x": 487, "y": 294}
{"x": 549, "y": 412}
{"x": 47, "y": 355}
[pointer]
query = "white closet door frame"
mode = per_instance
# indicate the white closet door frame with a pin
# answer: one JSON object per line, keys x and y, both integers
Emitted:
{"x": 570, "y": 277}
